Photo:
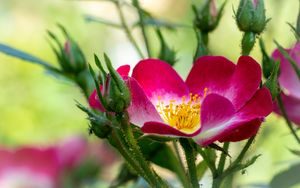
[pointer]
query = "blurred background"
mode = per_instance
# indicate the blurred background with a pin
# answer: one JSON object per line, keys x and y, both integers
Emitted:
{"x": 39, "y": 109}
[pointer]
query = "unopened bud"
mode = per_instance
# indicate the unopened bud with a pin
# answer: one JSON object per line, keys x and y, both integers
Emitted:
{"x": 74, "y": 57}
{"x": 207, "y": 19}
{"x": 118, "y": 95}
{"x": 251, "y": 16}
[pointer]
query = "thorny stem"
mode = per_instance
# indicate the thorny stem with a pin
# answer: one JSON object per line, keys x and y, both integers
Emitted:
{"x": 185, "y": 181}
{"x": 288, "y": 122}
{"x": 126, "y": 28}
{"x": 153, "y": 179}
{"x": 190, "y": 155}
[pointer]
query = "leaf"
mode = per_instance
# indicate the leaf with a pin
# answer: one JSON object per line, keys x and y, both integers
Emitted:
{"x": 201, "y": 169}
{"x": 295, "y": 152}
{"x": 162, "y": 155}
{"x": 287, "y": 178}
{"x": 215, "y": 146}
{"x": 27, "y": 57}
{"x": 89, "y": 18}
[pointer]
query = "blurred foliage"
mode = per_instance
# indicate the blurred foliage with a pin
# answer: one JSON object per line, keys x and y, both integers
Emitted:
{"x": 39, "y": 109}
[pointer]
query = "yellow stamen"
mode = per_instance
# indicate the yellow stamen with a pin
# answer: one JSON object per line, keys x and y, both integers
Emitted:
{"x": 184, "y": 116}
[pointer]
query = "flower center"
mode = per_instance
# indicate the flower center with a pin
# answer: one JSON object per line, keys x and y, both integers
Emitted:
{"x": 184, "y": 116}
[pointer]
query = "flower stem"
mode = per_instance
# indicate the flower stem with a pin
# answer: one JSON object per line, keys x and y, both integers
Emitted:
{"x": 223, "y": 158}
{"x": 142, "y": 25}
{"x": 190, "y": 155}
{"x": 184, "y": 180}
{"x": 153, "y": 179}
{"x": 244, "y": 150}
{"x": 288, "y": 122}
{"x": 126, "y": 28}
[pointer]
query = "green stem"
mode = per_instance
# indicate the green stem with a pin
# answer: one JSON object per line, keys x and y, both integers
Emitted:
{"x": 142, "y": 25}
{"x": 245, "y": 149}
{"x": 210, "y": 165}
{"x": 219, "y": 177}
{"x": 127, "y": 30}
{"x": 288, "y": 122}
{"x": 190, "y": 155}
{"x": 125, "y": 153}
{"x": 184, "y": 180}
{"x": 154, "y": 179}
{"x": 223, "y": 158}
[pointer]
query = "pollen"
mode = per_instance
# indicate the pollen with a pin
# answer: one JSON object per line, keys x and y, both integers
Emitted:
{"x": 183, "y": 115}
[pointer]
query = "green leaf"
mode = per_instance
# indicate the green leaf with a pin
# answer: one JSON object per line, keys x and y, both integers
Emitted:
{"x": 201, "y": 169}
{"x": 88, "y": 18}
{"x": 287, "y": 178}
{"x": 158, "y": 152}
{"x": 27, "y": 57}
{"x": 295, "y": 152}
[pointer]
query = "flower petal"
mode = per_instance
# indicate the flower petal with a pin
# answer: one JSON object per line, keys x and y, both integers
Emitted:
{"x": 241, "y": 125}
{"x": 247, "y": 121}
{"x": 123, "y": 70}
{"x": 94, "y": 101}
{"x": 244, "y": 82}
{"x": 288, "y": 78}
{"x": 160, "y": 128}
{"x": 141, "y": 109}
{"x": 216, "y": 113}
{"x": 242, "y": 132}
{"x": 292, "y": 107}
{"x": 212, "y": 72}
{"x": 158, "y": 79}
{"x": 219, "y": 75}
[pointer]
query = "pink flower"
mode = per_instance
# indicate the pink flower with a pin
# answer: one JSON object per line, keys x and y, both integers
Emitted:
{"x": 219, "y": 101}
{"x": 76, "y": 150}
{"x": 29, "y": 168}
{"x": 290, "y": 83}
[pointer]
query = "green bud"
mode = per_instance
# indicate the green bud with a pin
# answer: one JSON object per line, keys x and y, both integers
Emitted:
{"x": 100, "y": 127}
{"x": 248, "y": 42}
{"x": 69, "y": 55}
{"x": 118, "y": 95}
{"x": 251, "y": 16}
{"x": 207, "y": 19}
{"x": 74, "y": 56}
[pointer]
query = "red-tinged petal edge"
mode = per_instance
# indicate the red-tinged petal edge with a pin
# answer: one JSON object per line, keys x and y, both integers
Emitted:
{"x": 141, "y": 109}
{"x": 158, "y": 79}
{"x": 160, "y": 128}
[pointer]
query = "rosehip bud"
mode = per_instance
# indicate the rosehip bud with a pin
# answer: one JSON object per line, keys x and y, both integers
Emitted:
{"x": 74, "y": 57}
{"x": 118, "y": 95}
{"x": 251, "y": 16}
{"x": 207, "y": 19}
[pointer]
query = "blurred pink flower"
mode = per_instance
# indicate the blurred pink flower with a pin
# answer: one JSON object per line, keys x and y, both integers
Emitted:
{"x": 29, "y": 168}
{"x": 290, "y": 83}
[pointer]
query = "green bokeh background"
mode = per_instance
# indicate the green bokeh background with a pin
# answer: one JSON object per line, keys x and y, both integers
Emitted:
{"x": 36, "y": 108}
